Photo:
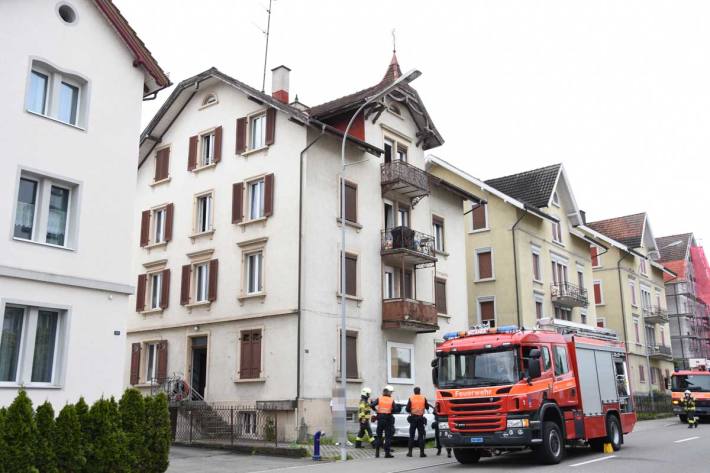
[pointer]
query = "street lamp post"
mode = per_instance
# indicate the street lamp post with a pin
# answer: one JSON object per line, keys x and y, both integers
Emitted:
{"x": 405, "y": 78}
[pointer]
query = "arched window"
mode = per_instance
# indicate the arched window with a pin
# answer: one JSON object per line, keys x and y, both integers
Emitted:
{"x": 394, "y": 108}
{"x": 210, "y": 99}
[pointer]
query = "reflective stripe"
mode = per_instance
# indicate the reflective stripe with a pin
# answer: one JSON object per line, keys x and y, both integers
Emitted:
{"x": 418, "y": 402}
{"x": 384, "y": 405}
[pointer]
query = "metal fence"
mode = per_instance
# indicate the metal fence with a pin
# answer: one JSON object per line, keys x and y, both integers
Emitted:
{"x": 655, "y": 403}
{"x": 200, "y": 422}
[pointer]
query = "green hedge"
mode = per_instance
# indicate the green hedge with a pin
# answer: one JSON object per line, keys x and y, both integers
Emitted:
{"x": 132, "y": 435}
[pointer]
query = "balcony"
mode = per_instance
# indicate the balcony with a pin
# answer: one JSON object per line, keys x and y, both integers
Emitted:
{"x": 400, "y": 179}
{"x": 660, "y": 352}
{"x": 655, "y": 315}
{"x": 409, "y": 314}
{"x": 568, "y": 295}
{"x": 405, "y": 246}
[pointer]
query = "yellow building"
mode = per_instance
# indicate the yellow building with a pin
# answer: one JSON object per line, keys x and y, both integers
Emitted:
{"x": 526, "y": 257}
{"x": 629, "y": 295}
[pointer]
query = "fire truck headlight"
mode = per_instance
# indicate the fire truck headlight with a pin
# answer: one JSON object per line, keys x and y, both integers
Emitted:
{"x": 443, "y": 426}
{"x": 675, "y": 401}
{"x": 518, "y": 423}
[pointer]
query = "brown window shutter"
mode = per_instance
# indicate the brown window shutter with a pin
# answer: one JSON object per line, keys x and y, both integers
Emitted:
{"x": 185, "y": 285}
{"x": 162, "y": 164}
{"x": 487, "y": 310}
{"x": 479, "y": 217}
{"x": 162, "y": 369}
{"x": 268, "y": 195}
{"x": 237, "y": 202}
{"x": 270, "y": 126}
{"x": 407, "y": 283}
{"x": 169, "y": 211}
{"x": 597, "y": 293}
{"x": 217, "y": 144}
{"x": 135, "y": 363}
{"x": 192, "y": 153}
{"x": 165, "y": 290}
{"x": 485, "y": 269}
{"x": 140, "y": 293}
{"x": 255, "y": 353}
{"x": 212, "y": 290}
{"x": 440, "y": 295}
{"x": 351, "y": 275}
{"x": 350, "y": 201}
{"x": 145, "y": 228}
{"x": 241, "y": 135}
{"x": 351, "y": 360}
{"x": 245, "y": 371}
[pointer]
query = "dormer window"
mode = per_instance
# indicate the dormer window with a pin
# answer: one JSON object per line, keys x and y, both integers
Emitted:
{"x": 55, "y": 94}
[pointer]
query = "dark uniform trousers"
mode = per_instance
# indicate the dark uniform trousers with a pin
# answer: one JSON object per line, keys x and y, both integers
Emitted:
{"x": 417, "y": 425}
{"x": 385, "y": 430}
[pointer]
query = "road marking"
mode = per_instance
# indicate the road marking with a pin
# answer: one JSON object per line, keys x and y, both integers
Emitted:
{"x": 609, "y": 457}
{"x": 668, "y": 425}
{"x": 686, "y": 440}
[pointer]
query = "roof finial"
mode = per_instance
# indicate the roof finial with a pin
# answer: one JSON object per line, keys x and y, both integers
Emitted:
{"x": 394, "y": 42}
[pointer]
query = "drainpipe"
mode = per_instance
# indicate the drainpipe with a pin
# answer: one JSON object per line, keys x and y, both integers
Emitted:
{"x": 300, "y": 261}
{"x": 515, "y": 268}
{"x": 677, "y": 316}
{"x": 623, "y": 319}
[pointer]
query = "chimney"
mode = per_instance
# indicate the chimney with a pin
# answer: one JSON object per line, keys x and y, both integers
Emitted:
{"x": 279, "y": 83}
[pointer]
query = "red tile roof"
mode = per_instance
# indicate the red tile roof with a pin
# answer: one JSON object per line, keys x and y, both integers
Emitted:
{"x": 677, "y": 266}
{"x": 627, "y": 230}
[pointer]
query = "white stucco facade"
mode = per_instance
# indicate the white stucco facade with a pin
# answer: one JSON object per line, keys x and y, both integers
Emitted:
{"x": 307, "y": 376}
{"x": 73, "y": 282}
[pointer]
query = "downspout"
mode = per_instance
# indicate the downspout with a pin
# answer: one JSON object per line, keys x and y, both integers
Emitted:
{"x": 515, "y": 269}
{"x": 300, "y": 260}
{"x": 623, "y": 324}
{"x": 677, "y": 316}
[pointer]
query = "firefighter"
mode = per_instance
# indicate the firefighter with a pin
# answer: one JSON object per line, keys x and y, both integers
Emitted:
{"x": 417, "y": 406}
{"x": 689, "y": 408}
{"x": 437, "y": 435}
{"x": 385, "y": 408}
{"x": 363, "y": 416}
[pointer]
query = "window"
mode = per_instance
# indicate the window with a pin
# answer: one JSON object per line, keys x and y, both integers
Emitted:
{"x": 250, "y": 354}
{"x": 645, "y": 298}
{"x": 403, "y": 214}
{"x": 556, "y": 199}
{"x": 257, "y": 131}
{"x": 559, "y": 272}
{"x": 479, "y": 215}
{"x": 642, "y": 266}
{"x": 201, "y": 282}
{"x": 389, "y": 216}
{"x": 484, "y": 264}
{"x": 388, "y": 289}
{"x": 598, "y": 295}
{"x": 652, "y": 372}
{"x": 162, "y": 164}
{"x": 556, "y": 232}
{"x": 563, "y": 313}
{"x": 642, "y": 374}
{"x": 350, "y": 275}
{"x": 583, "y": 316}
{"x": 55, "y": 94}
{"x": 487, "y": 312}
{"x": 255, "y": 272}
{"x": 632, "y": 291}
{"x": 406, "y": 283}
{"x": 601, "y": 322}
{"x": 537, "y": 271}
{"x": 438, "y": 224}
{"x": 637, "y": 330}
{"x": 67, "y": 14}
{"x": 151, "y": 362}
{"x": 400, "y": 359}
{"x": 256, "y": 199}
{"x": 203, "y": 215}
{"x": 43, "y": 212}
{"x": 156, "y": 289}
{"x": 395, "y": 150}
{"x": 561, "y": 366}
{"x": 546, "y": 359}
{"x": 210, "y": 99}
{"x": 159, "y": 225}
{"x": 595, "y": 256}
{"x": 156, "y": 225}
{"x": 351, "y": 368}
{"x": 440, "y": 295}
{"x": 30, "y": 348}
{"x": 539, "y": 301}
{"x": 207, "y": 144}
{"x": 350, "y": 201}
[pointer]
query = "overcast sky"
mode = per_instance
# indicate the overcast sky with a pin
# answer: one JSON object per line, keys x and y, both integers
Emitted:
{"x": 618, "y": 91}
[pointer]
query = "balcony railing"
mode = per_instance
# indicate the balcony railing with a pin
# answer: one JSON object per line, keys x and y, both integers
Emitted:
{"x": 660, "y": 351}
{"x": 403, "y": 179}
{"x": 415, "y": 247}
{"x": 566, "y": 294}
{"x": 655, "y": 315}
{"x": 409, "y": 314}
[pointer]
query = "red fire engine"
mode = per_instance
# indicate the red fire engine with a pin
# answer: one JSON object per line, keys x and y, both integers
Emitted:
{"x": 698, "y": 383}
{"x": 509, "y": 389}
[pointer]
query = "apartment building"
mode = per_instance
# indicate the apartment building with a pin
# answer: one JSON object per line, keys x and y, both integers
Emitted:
{"x": 74, "y": 74}
{"x": 689, "y": 311}
{"x": 238, "y": 263}
{"x": 526, "y": 257}
{"x": 630, "y": 297}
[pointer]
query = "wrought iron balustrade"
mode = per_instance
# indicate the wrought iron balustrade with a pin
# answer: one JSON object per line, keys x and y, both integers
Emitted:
{"x": 406, "y": 239}
{"x": 569, "y": 295}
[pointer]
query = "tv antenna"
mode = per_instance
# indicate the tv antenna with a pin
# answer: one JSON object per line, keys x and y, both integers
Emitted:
{"x": 266, "y": 48}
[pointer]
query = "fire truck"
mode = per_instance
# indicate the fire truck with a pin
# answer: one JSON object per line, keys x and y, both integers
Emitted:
{"x": 503, "y": 389}
{"x": 698, "y": 383}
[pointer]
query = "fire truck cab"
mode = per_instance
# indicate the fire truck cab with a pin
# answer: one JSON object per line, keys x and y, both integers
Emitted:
{"x": 510, "y": 389}
{"x": 698, "y": 383}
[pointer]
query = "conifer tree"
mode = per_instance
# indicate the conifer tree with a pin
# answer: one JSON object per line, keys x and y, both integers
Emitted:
{"x": 69, "y": 446}
{"x": 45, "y": 458}
{"x": 131, "y": 409}
{"x": 20, "y": 435}
{"x": 158, "y": 434}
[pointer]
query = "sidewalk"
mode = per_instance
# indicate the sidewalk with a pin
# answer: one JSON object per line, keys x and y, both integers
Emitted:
{"x": 332, "y": 452}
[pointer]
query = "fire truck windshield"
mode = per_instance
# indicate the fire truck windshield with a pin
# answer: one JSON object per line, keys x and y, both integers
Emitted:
{"x": 699, "y": 383}
{"x": 478, "y": 368}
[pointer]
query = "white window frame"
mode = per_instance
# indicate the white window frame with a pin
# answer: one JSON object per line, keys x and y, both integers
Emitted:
{"x": 634, "y": 297}
{"x": 539, "y": 298}
{"x": 208, "y": 214}
{"x": 643, "y": 269}
{"x": 158, "y": 225}
{"x": 407, "y": 346}
{"x": 150, "y": 367}
{"x": 636, "y": 324}
{"x": 258, "y": 257}
{"x": 557, "y": 232}
{"x": 395, "y": 143}
{"x": 439, "y": 230}
{"x": 535, "y": 250}
{"x": 196, "y": 283}
{"x": 25, "y": 359}
{"x": 478, "y": 309}
{"x": 388, "y": 286}
{"x": 206, "y": 153}
{"x": 601, "y": 292}
{"x": 260, "y": 115}
{"x": 155, "y": 290}
{"x": 261, "y": 183}
{"x": 476, "y": 265}
{"x": 55, "y": 78}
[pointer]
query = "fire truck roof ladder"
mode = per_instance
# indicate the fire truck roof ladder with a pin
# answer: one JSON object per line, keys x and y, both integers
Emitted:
{"x": 574, "y": 328}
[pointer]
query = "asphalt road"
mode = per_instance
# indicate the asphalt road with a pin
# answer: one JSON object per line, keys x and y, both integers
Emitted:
{"x": 658, "y": 446}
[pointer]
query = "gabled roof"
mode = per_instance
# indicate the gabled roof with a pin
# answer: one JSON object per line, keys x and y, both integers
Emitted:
{"x": 628, "y": 230}
{"x": 674, "y": 247}
{"x": 534, "y": 187}
{"x": 404, "y": 94}
{"x": 156, "y": 78}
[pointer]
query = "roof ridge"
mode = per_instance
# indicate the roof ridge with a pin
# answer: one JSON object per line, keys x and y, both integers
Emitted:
{"x": 619, "y": 217}
{"x": 529, "y": 171}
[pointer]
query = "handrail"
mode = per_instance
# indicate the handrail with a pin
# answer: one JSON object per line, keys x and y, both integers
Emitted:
{"x": 567, "y": 289}
{"x": 405, "y": 238}
{"x": 403, "y": 171}
{"x": 176, "y": 388}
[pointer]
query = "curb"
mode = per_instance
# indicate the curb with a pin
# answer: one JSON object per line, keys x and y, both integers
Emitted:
{"x": 287, "y": 452}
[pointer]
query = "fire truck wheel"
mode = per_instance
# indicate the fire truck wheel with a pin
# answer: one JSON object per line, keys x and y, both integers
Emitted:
{"x": 553, "y": 447}
{"x": 683, "y": 418}
{"x": 467, "y": 456}
{"x": 613, "y": 432}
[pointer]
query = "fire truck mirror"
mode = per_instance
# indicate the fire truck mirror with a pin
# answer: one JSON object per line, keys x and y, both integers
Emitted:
{"x": 435, "y": 372}
{"x": 534, "y": 368}
{"x": 435, "y": 363}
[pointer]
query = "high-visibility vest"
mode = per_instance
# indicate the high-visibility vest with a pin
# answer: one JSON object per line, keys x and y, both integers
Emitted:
{"x": 384, "y": 405}
{"x": 418, "y": 403}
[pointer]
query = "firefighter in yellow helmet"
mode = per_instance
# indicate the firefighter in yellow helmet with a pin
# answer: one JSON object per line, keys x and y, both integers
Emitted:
{"x": 364, "y": 411}
{"x": 689, "y": 407}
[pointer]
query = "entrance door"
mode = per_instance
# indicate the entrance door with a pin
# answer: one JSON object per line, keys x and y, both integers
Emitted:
{"x": 198, "y": 370}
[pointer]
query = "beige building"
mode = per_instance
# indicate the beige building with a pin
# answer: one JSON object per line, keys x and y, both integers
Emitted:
{"x": 629, "y": 294}
{"x": 526, "y": 258}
